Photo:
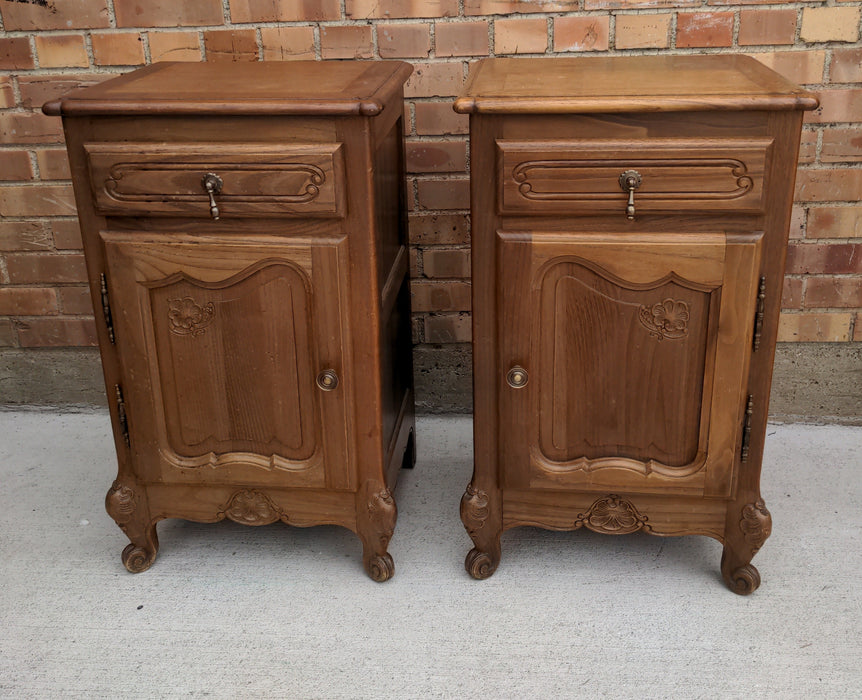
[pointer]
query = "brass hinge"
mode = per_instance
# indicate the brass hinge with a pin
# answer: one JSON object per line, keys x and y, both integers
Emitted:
{"x": 106, "y": 307}
{"x": 758, "y": 317}
{"x": 121, "y": 415}
{"x": 746, "y": 429}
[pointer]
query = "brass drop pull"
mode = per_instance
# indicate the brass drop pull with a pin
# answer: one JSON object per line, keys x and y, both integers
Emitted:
{"x": 327, "y": 380}
{"x": 212, "y": 185}
{"x": 630, "y": 180}
{"x": 517, "y": 377}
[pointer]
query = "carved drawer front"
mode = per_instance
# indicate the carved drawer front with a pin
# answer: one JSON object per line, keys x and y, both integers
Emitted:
{"x": 589, "y": 176}
{"x": 249, "y": 179}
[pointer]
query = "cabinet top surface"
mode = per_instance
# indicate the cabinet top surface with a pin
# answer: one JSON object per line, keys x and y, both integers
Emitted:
{"x": 627, "y": 83}
{"x": 278, "y": 87}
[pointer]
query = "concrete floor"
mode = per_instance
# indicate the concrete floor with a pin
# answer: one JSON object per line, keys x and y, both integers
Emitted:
{"x": 230, "y": 611}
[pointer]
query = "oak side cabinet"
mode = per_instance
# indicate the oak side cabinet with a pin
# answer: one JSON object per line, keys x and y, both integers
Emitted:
{"x": 629, "y": 227}
{"x": 245, "y": 238}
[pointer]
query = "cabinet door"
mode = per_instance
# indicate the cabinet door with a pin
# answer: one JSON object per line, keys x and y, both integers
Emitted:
{"x": 220, "y": 345}
{"x": 635, "y": 351}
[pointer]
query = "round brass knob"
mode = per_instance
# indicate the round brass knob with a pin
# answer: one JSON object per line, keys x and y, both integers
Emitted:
{"x": 517, "y": 377}
{"x": 327, "y": 380}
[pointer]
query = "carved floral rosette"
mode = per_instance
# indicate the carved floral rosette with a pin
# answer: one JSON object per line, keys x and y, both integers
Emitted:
{"x": 667, "y": 319}
{"x": 187, "y": 317}
{"x": 250, "y": 507}
{"x": 756, "y": 524}
{"x": 612, "y": 515}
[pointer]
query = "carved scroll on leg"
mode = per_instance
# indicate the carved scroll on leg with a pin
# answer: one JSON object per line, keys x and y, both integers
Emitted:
{"x": 744, "y": 536}
{"x": 128, "y": 507}
{"x": 376, "y": 514}
{"x": 484, "y": 525}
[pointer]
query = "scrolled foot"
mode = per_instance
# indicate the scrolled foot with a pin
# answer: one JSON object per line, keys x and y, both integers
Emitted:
{"x": 480, "y": 565}
{"x": 381, "y": 567}
{"x": 137, "y": 559}
{"x": 744, "y": 580}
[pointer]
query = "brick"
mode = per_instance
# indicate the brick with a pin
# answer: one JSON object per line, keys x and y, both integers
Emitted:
{"x": 791, "y": 295}
{"x": 444, "y": 194}
{"x": 814, "y": 327}
{"x": 841, "y": 145}
{"x": 846, "y": 66}
{"x": 28, "y": 301}
{"x": 404, "y": 40}
{"x": 857, "y": 329}
{"x": 501, "y": 7}
{"x": 174, "y": 46}
{"x": 287, "y": 43}
{"x": 415, "y": 265}
{"x": 231, "y": 45}
{"x": 444, "y": 263}
{"x": 435, "y": 80}
{"x": 803, "y": 67}
{"x": 67, "y": 234}
{"x": 798, "y": 218}
{"x": 642, "y": 31}
{"x": 61, "y": 51}
{"x": 836, "y": 185}
{"x": 68, "y": 14}
{"x": 440, "y": 229}
{"x": 36, "y": 200}
{"x": 513, "y": 36}
{"x": 346, "y": 42}
{"x": 636, "y": 4}
{"x": 833, "y": 292}
{"x": 36, "y": 268}
{"x": 24, "y": 235}
{"x": 834, "y": 222}
{"x": 436, "y": 156}
{"x": 36, "y": 90}
{"x": 168, "y": 13}
{"x": 461, "y": 38}
{"x": 757, "y": 27}
{"x": 581, "y": 33}
{"x": 117, "y": 49}
{"x": 30, "y": 127}
{"x": 57, "y": 332}
{"x": 829, "y": 24}
{"x": 53, "y": 164}
{"x": 448, "y": 328}
{"x": 15, "y": 53}
{"x": 7, "y": 96}
{"x": 8, "y": 337}
{"x": 837, "y": 106}
{"x": 700, "y": 29}
{"x": 438, "y": 119}
{"x": 284, "y": 10}
{"x": 824, "y": 258}
{"x": 75, "y": 301}
{"x": 439, "y": 296}
{"x": 15, "y": 165}
{"x": 390, "y": 9}
{"x": 808, "y": 146}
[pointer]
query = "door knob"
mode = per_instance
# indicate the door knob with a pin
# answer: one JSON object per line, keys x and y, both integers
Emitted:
{"x": 327, "y": 380}
{"x": 517, "y": 377}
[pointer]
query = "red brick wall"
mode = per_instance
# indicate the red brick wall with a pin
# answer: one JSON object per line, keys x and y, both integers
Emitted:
{"x": 50, "y": 46}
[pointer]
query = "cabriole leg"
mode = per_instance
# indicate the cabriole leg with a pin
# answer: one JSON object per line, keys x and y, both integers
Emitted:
{"x": 482, "y": 517}
{"x": 128, "y": 507}
{"x": 744, "y": 536}
{"x": 376, "y": 514}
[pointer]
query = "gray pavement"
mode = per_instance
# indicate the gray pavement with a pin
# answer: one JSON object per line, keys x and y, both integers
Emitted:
{"x": 278, "y": 612}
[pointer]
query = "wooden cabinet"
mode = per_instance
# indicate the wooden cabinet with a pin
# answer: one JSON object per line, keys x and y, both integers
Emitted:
{"x": 630, "y": 219}
{"x": 247, "y": 257}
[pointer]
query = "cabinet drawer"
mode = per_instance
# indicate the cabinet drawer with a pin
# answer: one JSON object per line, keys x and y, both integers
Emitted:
{"x": 256, "y": 179}
{"x": 583, "y": 176}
